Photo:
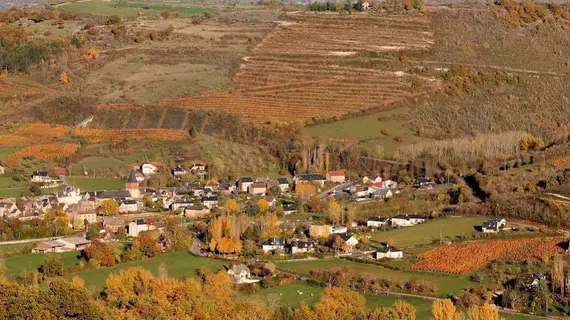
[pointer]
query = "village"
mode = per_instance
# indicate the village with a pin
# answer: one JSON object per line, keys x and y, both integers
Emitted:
{"x": 272, "y": 213}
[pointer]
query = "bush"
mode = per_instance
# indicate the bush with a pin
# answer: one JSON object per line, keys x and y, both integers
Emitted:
{"x": 114, "y": 19}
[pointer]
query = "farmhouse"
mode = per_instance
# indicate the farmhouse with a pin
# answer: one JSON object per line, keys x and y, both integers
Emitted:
{"x": 388, "y": 252}
{"x": 48, "y": 247}
{"x": 197, "y": 167}
{"x": 128, "y": 205}
{"x": 310, "y": 177}
{"x": 62, "y": 245}
{"x": 406, "y": 220}
{"x": 69, "y": 196}
{"x": 273, "y": 244}
{"x": 350, "y": 242}
{"x": 493, "y": 225}
{"x": 244, "y": 183}
{"x": 148, "y": 169}
{"x": 383, "y": 194}
{"x": 193, "y": 211}
{"x": 257, "y": 188}
{"x": 210, "y": 201}
{"x": 9, "y": 209}
{"x": 179, "y": 171}
{"x": 283, "y": 184}
{"x": 89, "y": 217}
{"x": 289, "y": 208}
{"x": 338, "y": 176}
{"x": 41, "y": 177}
{"x": 376, "y": 222}
{"x": 301, "y": 247}
{"x": 339, "y": 230}
{"x": 240, "y": 273}
{"x": 74, "y": 243}
{"x": 372, "y": 180}
{"x": 113, "y": 224}
{"x": 135, "y": 227}
{"x": 181, "y": 203}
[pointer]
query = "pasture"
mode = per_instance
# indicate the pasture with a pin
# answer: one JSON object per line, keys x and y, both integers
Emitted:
{"x": 445, "y": 229}
{"x": 18, "y": 265}
{"x": 288, "y": 296}
{"x": 377, "y": 129}
{"x": 446, "y": 284}
{"x": 179, "y": 264}
{"x": 132, "y": 9}
{"x": 11, "y": 188}
{"x": 94, "y": 184}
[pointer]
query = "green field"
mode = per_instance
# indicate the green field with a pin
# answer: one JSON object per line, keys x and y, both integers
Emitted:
{"x": 11, "y": 188}
{"x": 6, "y": 151}
{"x": 429, "y": 231}
{"x": 446, "y": 284}
{"x": 17, "y": 265}
{"x": 94, "y": 184}
{"x": 287, "y": 296}
{"x": 132, "y": 9}
{"x": 179, "y": 264}
{"x": 368, "y": 129}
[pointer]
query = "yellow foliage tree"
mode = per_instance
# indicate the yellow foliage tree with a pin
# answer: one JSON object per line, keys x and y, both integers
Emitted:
{"x": 337, "y": 304}
{"x": 305, "y": 189}
{"x": 109, "y": 207}
{"x": 404, "y": 310}
{"x": 335, "y": 211}
{"x": 443, "y": 309}
{"x": 232, "y": 206}
{"x": 263, "y": 205}
{"x": 484, "y": 312}
{"x": 64, "y": 78}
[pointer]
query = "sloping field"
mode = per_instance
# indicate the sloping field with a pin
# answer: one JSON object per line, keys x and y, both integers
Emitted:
{"x": 466, "y": 257}
{"x": 21, "y": 87}
{"x": 313, "y": 66}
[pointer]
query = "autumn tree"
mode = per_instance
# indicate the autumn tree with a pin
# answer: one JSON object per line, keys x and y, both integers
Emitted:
{"x": 350, "y": 215}
{"x": 484, "y": 312}
{"x": 405, "y": 310}
{"x": 442, "y": 309}
{"x": 147, "y": 244}
{"x": 263, "y": 205}
{"x": 232, "y": 206}
{"x": 335, "y": 211}
{"x": 53, "y": 267}
{"x": 109, "y": 207}
{"x": 64, "y": 78}
{"x": 315, "y": 204}
{"x": 337, "y": 304}
{"x": 305, "y": 190}
{"x": 558, "y": 274}
{"x": 100, "y": 254}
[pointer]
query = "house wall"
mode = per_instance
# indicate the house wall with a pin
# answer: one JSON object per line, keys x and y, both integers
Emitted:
{"x": 336, "y": 179}
{"x": 375, "y": 223}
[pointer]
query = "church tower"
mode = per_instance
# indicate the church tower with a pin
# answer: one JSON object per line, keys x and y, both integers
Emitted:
{"x": 132, "y": 185}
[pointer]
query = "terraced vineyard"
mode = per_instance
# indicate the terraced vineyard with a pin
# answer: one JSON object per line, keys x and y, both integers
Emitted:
{"x": 21, "y": 87}
{"x": 315, "y": 66}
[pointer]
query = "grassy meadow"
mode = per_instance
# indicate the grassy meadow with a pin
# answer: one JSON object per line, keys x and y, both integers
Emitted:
{"x": 94, "y": 184}
{"x": 447, "y": 229}
{"x": 377, "y": 130}
{"x": 132, "y": 9}
{"x": 446, "y": 284}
